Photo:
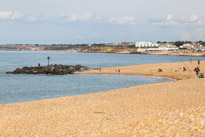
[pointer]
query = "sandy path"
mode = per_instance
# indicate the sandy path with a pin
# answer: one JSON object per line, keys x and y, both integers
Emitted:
{"x": 163, "y": 109}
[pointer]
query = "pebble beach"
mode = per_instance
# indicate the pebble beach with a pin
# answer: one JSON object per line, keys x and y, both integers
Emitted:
{"x": 174, "y": 108}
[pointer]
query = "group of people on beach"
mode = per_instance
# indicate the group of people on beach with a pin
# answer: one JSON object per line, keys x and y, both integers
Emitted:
{"x": 197, "y": 70}
{"x": 198, "y": 61}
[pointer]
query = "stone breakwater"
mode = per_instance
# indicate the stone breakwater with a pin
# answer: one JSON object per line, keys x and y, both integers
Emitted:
{"x": 50, "y": 69}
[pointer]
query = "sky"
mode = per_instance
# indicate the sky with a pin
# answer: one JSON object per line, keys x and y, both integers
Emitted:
{"x": 100, "y": 21}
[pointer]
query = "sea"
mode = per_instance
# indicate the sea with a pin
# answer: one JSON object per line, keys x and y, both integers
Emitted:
{"x": 27, "y": 87}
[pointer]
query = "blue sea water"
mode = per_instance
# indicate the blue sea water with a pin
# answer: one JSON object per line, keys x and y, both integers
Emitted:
{"x": 22, "y": 87}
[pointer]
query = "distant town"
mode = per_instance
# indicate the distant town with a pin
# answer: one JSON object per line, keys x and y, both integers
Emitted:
{"x": 184, "y": 48}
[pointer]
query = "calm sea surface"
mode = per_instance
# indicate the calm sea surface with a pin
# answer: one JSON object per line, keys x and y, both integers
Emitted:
{"x": 21, "y": 88}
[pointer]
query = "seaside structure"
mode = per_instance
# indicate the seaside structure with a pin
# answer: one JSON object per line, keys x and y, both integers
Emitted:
{"x": 117, "y": 43}
{"x": 124, "y": 44}
{"x": 167, "y": 45}
{"x": 187, "y": 45}
{"x": 150, "y": 46}
{"x": 192, "y": 47}
{"x": 157, "y": 49}
{"x": 144, "y": 44}
{"x": 109, "y": 44}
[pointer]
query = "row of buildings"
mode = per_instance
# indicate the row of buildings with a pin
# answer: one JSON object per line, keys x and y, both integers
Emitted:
{"x": 151, "y": 46}
{"x": 141, "y": 44}
{"x": 124, "y": 44}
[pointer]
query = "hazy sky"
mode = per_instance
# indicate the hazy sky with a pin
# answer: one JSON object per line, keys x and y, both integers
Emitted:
{"x": 99, "y": 21}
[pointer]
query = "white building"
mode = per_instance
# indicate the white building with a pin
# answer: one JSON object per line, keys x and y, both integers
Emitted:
{"x": 157, "y": 49}
{"x": 187, "y": 45}
{"x": 162, "y": 49}
{"x": 144, "y": 44}
{"x": 167, "y": 45}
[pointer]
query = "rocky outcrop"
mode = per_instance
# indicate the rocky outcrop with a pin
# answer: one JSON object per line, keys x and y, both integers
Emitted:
{"x": 51, "y": 69}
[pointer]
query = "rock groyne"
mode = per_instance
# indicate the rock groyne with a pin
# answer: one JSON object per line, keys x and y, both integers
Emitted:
{"x": 50, "y": 69}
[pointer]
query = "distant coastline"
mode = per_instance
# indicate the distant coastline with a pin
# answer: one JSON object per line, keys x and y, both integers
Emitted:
{"x": 121, "y": 51}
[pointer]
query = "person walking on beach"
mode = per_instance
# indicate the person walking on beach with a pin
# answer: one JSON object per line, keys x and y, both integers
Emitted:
{"x": 197, "y": 71}
{"x": 184, "y": 69}
{"x": 198, "y": 61}
{"x": 190, "y": 60}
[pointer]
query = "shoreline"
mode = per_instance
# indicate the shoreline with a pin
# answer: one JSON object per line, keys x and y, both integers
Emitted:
{"x": 175, "y": 71}
{"x": 163, "y": 109}
{"x": 195, "y": 54}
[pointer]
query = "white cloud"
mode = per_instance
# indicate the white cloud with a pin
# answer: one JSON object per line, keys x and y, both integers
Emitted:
{"x": 170, "y": 20}
{"x": 169, "y": 17}
{"x": 11, "y": 15}
{"x": 5, "y": 15}
{"x": 166, "y": 21}
{"x": 89, "y": 17}
{"x": 31, "y": 19}
{"x": 98, "y": 18}
{"x": 193, "y": 18}
{"x": 189, "y": 20}
{"x": 77, "y": 17}
{"x": 123, "y": 20}
{"x": 201, "y": 22}
{"x": 86, "y": 17}
{"x": 17, "y": 15}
